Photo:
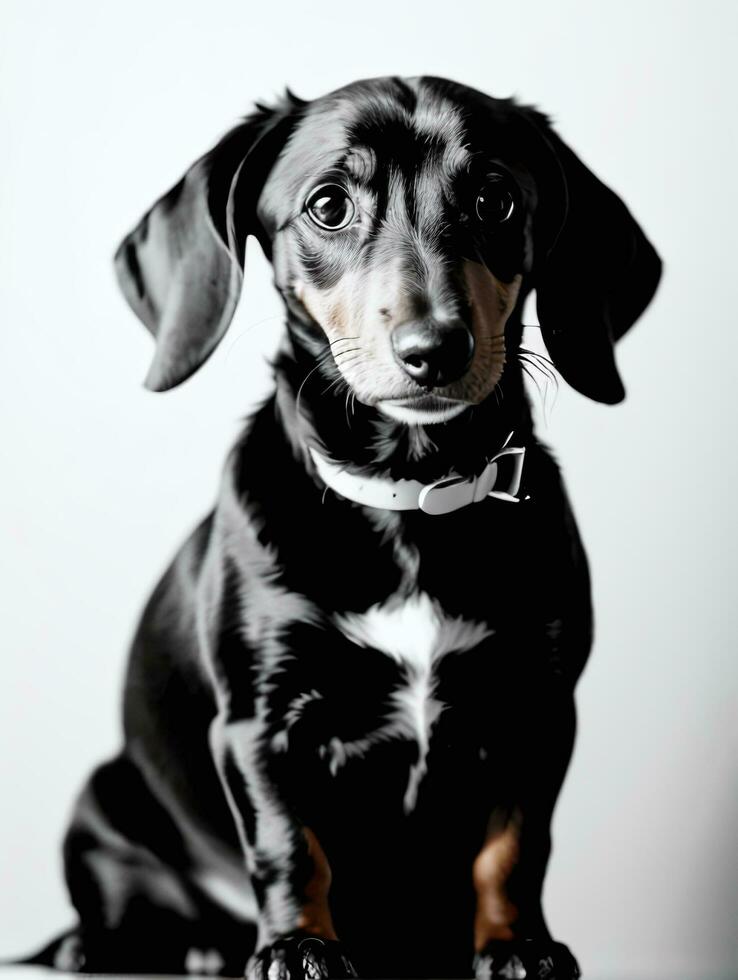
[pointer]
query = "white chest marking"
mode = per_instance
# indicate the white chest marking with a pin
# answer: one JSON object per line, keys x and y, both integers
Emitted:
{"x": 416, "y": 633}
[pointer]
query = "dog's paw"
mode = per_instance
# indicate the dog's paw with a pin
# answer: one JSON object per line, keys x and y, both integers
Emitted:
{"x": 301, "y": 958}
{"x": 527, "y": 959}
{"x": 203, "y": 962}
{"x": 69, "y": 955}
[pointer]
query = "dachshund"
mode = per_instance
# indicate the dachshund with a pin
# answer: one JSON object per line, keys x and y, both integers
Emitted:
{"x": 349, "y": 704}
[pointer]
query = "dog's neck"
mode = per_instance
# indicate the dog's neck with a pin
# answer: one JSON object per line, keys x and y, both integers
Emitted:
{"x": 317, "y": 412}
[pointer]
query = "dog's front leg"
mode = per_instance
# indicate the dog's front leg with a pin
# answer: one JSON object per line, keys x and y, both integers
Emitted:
{"x": 510, "y": 932}
{"x": 288, "y": 868}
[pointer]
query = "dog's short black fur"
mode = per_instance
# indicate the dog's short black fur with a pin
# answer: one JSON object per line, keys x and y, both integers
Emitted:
{"x": 340, "y": 721}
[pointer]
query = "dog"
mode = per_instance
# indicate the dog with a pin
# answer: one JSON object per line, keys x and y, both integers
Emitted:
{"x": 349, "y": 705}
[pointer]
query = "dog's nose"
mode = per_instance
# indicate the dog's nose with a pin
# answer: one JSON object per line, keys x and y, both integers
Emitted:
{"x": 433, "y": 354}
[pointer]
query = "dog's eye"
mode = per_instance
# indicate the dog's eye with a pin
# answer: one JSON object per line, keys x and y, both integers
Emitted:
{"x": 329, "y": 206}
{"x": 495, "y": 201}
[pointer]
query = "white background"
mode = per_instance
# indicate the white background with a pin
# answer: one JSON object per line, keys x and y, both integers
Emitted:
{"x": 103, "y": 105}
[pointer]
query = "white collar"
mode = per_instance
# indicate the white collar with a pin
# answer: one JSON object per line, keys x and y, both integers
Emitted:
{"x": 441, "y": 497}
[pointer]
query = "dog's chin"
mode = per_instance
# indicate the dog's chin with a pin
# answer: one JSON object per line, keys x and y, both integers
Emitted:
{"x": 422, "y": 410}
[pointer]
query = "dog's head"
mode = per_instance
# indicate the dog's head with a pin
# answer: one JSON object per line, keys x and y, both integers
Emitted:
{"x": 406, "y": 221}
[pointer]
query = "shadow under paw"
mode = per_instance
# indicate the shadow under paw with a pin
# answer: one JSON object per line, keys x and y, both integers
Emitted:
{"x": 301, "y": 958}
{"x": 526, "y": 959}
{"x": 80, "y": 951}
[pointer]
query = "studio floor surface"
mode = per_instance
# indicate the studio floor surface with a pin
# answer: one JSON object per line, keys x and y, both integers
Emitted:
{"x": 41, "y": 973}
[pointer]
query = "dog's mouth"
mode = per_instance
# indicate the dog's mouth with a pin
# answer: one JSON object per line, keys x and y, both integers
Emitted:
{"x": 422, "y": 409}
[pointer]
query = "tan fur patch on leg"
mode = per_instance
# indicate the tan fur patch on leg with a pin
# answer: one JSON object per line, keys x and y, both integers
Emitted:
{"x": 315, "y": 915}
{"x": 496, "y": 914}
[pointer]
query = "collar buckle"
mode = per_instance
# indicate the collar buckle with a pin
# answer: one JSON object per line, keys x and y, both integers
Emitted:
{"x": 454, "y": 492}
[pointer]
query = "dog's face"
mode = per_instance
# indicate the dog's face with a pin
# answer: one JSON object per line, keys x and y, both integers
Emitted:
{"x": 401, "y": 230}
{"x": 406, "y": 221}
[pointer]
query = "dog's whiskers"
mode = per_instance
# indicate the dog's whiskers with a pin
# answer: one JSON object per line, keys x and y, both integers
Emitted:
{"x": 305, "y": 380}
{"x": 536, "y": 354}
{"x": 344, "y": 352}
{"x": 348, "y": 402}
{"x": 538, "y": 387}
{"x": 540, "y": 365}
{"x": 532, "y": 362}
{"x": 335, "y": 383}
{"x": 350, "y": 360}
{"x": 250, "y": 326}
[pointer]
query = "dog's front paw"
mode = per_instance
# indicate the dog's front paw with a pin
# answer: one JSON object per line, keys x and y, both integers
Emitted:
{"x": 301, "y": 958}
{"x": 527, "y": 959}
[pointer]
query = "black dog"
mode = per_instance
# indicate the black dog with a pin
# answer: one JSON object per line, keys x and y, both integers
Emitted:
{"x": 349, "y": 705}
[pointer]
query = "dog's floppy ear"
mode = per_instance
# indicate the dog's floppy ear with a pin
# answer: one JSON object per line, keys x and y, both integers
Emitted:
{"x": 597, "y": 274}
{"x": 181, "y": 268}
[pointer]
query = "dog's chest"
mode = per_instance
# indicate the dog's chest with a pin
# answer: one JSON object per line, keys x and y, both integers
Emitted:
{"x": 380, "y": 681}
{"x": 414, "y": 631}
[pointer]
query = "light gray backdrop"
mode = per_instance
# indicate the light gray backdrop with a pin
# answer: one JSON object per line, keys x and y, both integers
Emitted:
{"x": 103, "y": 106}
